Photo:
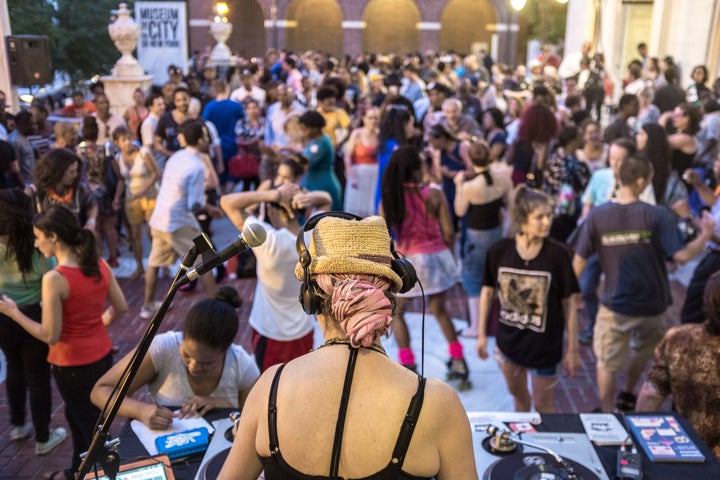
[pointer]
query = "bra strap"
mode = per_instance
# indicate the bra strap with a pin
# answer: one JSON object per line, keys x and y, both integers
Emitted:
{"x": 342, "y": 412}
{"x": 408, "y": 425}
{"x": 272, "y": 413}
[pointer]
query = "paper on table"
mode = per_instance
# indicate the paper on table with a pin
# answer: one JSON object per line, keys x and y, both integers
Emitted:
{"x": 604, "y": 429}
{"x": 147, "y": 436}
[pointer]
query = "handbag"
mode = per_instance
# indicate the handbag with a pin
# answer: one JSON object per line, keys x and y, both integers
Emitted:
{"x": 244, "y": 164}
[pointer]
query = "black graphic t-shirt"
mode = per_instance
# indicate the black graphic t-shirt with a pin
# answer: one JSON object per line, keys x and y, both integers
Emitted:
{"x": 531, "y": 321}
{"x": 167, "y": 130}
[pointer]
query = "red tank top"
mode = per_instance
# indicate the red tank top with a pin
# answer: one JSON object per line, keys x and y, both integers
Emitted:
{"x": 364, "y": 155}
{"x": 83, "y": 337}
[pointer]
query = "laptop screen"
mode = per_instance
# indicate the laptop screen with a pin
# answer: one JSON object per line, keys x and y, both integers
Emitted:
{"x": 156, "y": 468}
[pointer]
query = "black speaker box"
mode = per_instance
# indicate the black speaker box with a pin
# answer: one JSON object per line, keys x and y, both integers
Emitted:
{"x": 29, "y": 59}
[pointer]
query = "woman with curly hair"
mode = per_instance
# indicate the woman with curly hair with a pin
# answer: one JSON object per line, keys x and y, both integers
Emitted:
{"x": 74, "y": 318}
{"x": 57, "y": 182}
{"x": 527, "y": 155}
{"x": 536, "y": 285}
{"x": 21, "y": 270}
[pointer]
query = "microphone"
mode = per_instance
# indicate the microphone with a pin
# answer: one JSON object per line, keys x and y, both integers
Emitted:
{"x": 251, "y": 236}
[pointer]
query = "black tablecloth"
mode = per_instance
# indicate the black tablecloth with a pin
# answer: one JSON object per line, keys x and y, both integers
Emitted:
{"x": 132, "y": 449}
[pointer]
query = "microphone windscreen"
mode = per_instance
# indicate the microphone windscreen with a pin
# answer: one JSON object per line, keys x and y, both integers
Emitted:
{"x": 254, "y": 234}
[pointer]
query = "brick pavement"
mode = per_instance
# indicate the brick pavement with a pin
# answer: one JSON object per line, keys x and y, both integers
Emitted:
{"x": 18, "y": 459}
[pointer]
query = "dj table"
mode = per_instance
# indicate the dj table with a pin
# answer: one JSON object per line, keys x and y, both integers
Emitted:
{"x": 562, "y": 433}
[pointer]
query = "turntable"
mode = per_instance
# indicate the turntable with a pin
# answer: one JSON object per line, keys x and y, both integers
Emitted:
{"x": 504, "y": 455}
{"x": 218, "y": 449}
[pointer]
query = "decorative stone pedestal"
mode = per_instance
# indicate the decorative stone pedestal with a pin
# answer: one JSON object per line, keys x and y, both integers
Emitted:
{"x": 119, "y": 90}
{"x": 127, "y": 75}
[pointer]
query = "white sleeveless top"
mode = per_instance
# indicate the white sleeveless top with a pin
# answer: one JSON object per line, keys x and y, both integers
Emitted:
{"x": 138, "y": 175}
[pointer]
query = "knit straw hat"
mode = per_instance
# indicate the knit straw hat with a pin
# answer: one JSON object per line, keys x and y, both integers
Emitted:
{"x": 351, "y": 246}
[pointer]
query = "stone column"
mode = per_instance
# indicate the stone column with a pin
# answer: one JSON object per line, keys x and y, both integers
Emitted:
{"x": 353, "y": 36}
{"x": 429, "y": 35}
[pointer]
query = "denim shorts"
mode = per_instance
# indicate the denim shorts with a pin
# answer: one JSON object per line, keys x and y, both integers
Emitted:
{"x": 549, "y": 372}
{"x": 475, "y": 250}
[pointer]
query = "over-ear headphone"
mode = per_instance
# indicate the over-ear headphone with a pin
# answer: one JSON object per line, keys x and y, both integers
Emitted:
{"x": 311, "y": 297}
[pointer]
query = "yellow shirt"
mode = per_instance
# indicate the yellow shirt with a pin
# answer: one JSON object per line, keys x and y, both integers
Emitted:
{"x": 336, "y": 124}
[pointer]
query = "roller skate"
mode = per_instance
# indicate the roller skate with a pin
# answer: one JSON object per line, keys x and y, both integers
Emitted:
{"x": 458, "y": 370}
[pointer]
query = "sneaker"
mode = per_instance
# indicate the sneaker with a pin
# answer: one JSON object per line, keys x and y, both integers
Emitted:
{"x": 57, "y": 435}
{"x": 113, "y": 262}
{"x": 147, "y": 311}
{"x": 20, "y": 433}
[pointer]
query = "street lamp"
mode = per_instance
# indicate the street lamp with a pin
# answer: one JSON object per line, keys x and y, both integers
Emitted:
{"x": 220, "y": 29}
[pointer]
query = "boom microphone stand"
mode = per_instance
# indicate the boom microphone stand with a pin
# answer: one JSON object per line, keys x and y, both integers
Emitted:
{"x": 105, "y": 451}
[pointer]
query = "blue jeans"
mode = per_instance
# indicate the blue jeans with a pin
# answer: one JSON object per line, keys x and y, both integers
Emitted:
{"x": 589, "y": 283}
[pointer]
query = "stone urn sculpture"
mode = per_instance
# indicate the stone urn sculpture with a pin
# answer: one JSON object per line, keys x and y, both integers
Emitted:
{"x": 124, "y": 33}
{"x": 220, "y": 29}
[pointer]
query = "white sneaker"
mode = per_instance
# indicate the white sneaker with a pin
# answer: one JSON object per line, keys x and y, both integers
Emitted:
{"x": 20, "y": 433}
{"x": 147, "y": 311}
{"x": 57, "y": 435}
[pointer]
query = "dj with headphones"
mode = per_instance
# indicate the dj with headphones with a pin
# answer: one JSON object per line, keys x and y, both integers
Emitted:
{"x": 346, "y": 409}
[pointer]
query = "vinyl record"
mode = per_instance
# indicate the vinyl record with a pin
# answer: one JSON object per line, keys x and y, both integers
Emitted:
{"x": 534, "y": 466}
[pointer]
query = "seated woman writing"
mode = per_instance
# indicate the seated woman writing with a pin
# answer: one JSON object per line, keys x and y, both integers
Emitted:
{"x": 198, "y": 369}
{"x": 346, "y": 410}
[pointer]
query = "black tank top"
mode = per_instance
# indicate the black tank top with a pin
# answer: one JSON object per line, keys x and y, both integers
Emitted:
{"x": 485, "y": 216}
{"x": 276, "y": 468}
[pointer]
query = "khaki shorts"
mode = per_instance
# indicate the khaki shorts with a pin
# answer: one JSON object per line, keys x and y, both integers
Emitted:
{"x": 138, "y": 210}
{"x": 616, "y": 334}
{"x": 166, "y": 247}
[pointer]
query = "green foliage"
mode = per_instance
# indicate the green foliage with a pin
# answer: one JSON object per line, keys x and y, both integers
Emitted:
{"x": 546, "y": 19}
{"x": 80, "y": 44}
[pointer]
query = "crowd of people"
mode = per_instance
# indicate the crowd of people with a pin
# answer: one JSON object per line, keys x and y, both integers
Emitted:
{"x": 510, "y": 181}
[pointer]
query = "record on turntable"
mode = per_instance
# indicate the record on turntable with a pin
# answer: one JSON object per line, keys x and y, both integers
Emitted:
{"x": 536, "y": 466}
{"x": 504, "y": 455}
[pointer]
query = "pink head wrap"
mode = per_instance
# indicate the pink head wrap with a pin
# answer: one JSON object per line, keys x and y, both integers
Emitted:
{"x": 360, "y": 305}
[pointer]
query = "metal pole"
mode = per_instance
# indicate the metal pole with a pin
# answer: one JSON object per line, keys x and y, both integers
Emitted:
{"x": 273, "y": 18}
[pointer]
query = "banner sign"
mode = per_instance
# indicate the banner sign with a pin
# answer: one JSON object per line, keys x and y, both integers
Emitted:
{"x": 163, "y": 37}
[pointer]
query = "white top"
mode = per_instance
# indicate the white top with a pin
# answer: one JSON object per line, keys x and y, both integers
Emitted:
{"x": 181, "y": 188}
{"x": 147, "y": 130}
{"x": 170, "y": 386}
{"x": 105, "y": 129}
{"x": 138, "y": 175}
{"x": 276, "y": 312}
{"x": 255, "y": 92}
